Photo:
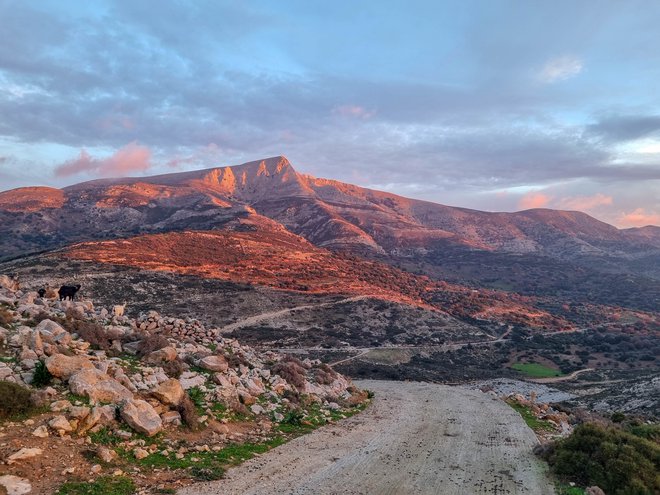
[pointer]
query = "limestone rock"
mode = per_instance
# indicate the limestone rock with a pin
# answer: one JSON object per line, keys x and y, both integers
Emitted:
{"x": 170, "y": 392}
{"x": 165, "y": 354}
{"x": 79, "y": 412}
{"x": 140, "y": 453}
{"x": 49, "y": 330}
{"x": 89, "y": 421}
{"x": 190, "y": 379}
{"x": 105, "y": 454}
{"x": 40, "y": 432}
{"x": 171, "y": 417}
{"x": 214, "y": 363}
{"x": 15, "y": 485}
{"x": 141, "y": 417}
{"x": 60, "y": 423}
{"x": 60, "y": 405}
{"x": 64, "y": 367}
{"x": 23, "y": 454}
{"x": 99, "y": 387}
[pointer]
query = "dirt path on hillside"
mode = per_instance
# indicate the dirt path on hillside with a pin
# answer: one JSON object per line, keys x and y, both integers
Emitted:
{"x": 416, "y": 438}
{"x": 252, "y": 320}
{"x": 565, "y": 378}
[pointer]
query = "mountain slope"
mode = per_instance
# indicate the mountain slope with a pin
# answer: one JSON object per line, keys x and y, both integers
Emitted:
{"x": 326, "y": 212}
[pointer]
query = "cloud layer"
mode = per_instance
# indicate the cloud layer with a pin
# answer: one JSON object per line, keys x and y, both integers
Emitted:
{"x": 458, "y": 102}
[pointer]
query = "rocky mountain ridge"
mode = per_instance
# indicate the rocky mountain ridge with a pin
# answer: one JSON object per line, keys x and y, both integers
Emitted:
{"x": 326, "y": 212}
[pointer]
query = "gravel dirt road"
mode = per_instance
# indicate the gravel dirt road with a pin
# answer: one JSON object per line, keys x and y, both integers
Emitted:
{"x": 416, "y": 438}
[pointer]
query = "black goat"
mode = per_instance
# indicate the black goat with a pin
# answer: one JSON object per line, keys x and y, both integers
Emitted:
{"x": 68, "y": 292}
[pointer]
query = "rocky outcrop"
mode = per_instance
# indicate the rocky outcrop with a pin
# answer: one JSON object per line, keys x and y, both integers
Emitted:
{"x": 64, "y": 367}
{"x": 141, "y": 416}
{"x": 169, "y": 392}
{"x": 214, "y": 363}
{"x": 99, "y": 387}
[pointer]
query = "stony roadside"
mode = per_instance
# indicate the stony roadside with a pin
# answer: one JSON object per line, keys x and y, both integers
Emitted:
{"x": 142, "y": 405}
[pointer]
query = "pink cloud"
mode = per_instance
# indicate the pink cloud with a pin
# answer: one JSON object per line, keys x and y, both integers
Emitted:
{"x": 639, "y": 218}
{"x": 129, "y": 159}
{"x": 355, "y": 111}
{"x": 584, "y": 202}
{"x": 534, "y": 200}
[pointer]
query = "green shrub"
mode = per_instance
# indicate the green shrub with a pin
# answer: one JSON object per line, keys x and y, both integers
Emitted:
{"x": 617, "y": 417}
{"x": 197, "y": 396}
{"x": 649, "y": 432}
{"x": 293, "y": 417}
{"x": 14, "y": 400}
{"x": 611, "y": 458}
{"x": 42, "y": 377}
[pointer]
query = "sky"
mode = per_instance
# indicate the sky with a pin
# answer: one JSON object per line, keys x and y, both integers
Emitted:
{"x": 494, "y": 105}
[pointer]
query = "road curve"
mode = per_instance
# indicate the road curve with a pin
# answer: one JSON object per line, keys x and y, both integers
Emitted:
{"x": 416, "y": 438}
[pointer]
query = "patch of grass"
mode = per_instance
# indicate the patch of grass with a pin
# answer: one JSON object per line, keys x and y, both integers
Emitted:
{"x": 204, "y": 466}
{"x": 532, "y": 421}
{"x": 563, "y": 489}
{"x": 73, "y": 398}
{"x": 130, "y": 363}
{"x": 536, "y": 370}
{"x": 104, "y": 437}
{"x": 105, "y": 485}
{"x": 293, "y": 418}
{"x": 197, "y": 397}
{"x": 8, "y": 359}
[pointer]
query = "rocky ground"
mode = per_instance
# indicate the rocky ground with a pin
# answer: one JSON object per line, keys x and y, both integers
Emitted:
{"x": 150, "y": 403}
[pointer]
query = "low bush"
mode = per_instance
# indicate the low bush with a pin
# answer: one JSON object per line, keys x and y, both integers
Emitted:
{"x": 188, "y": 412}
{"x": 324, "y": 374}
{"x": 293, "y": 417}
{"x": 173, "y": 369}
{"x": 197, "y": 397}
{"x": 42, "y": 377}
{"x": 94, "y": 333}
{"x": 615, "y": 460}
{"x": 236, "y": 359}
{"x": 15, "y": 400}
{"x": 292, "y": 370}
